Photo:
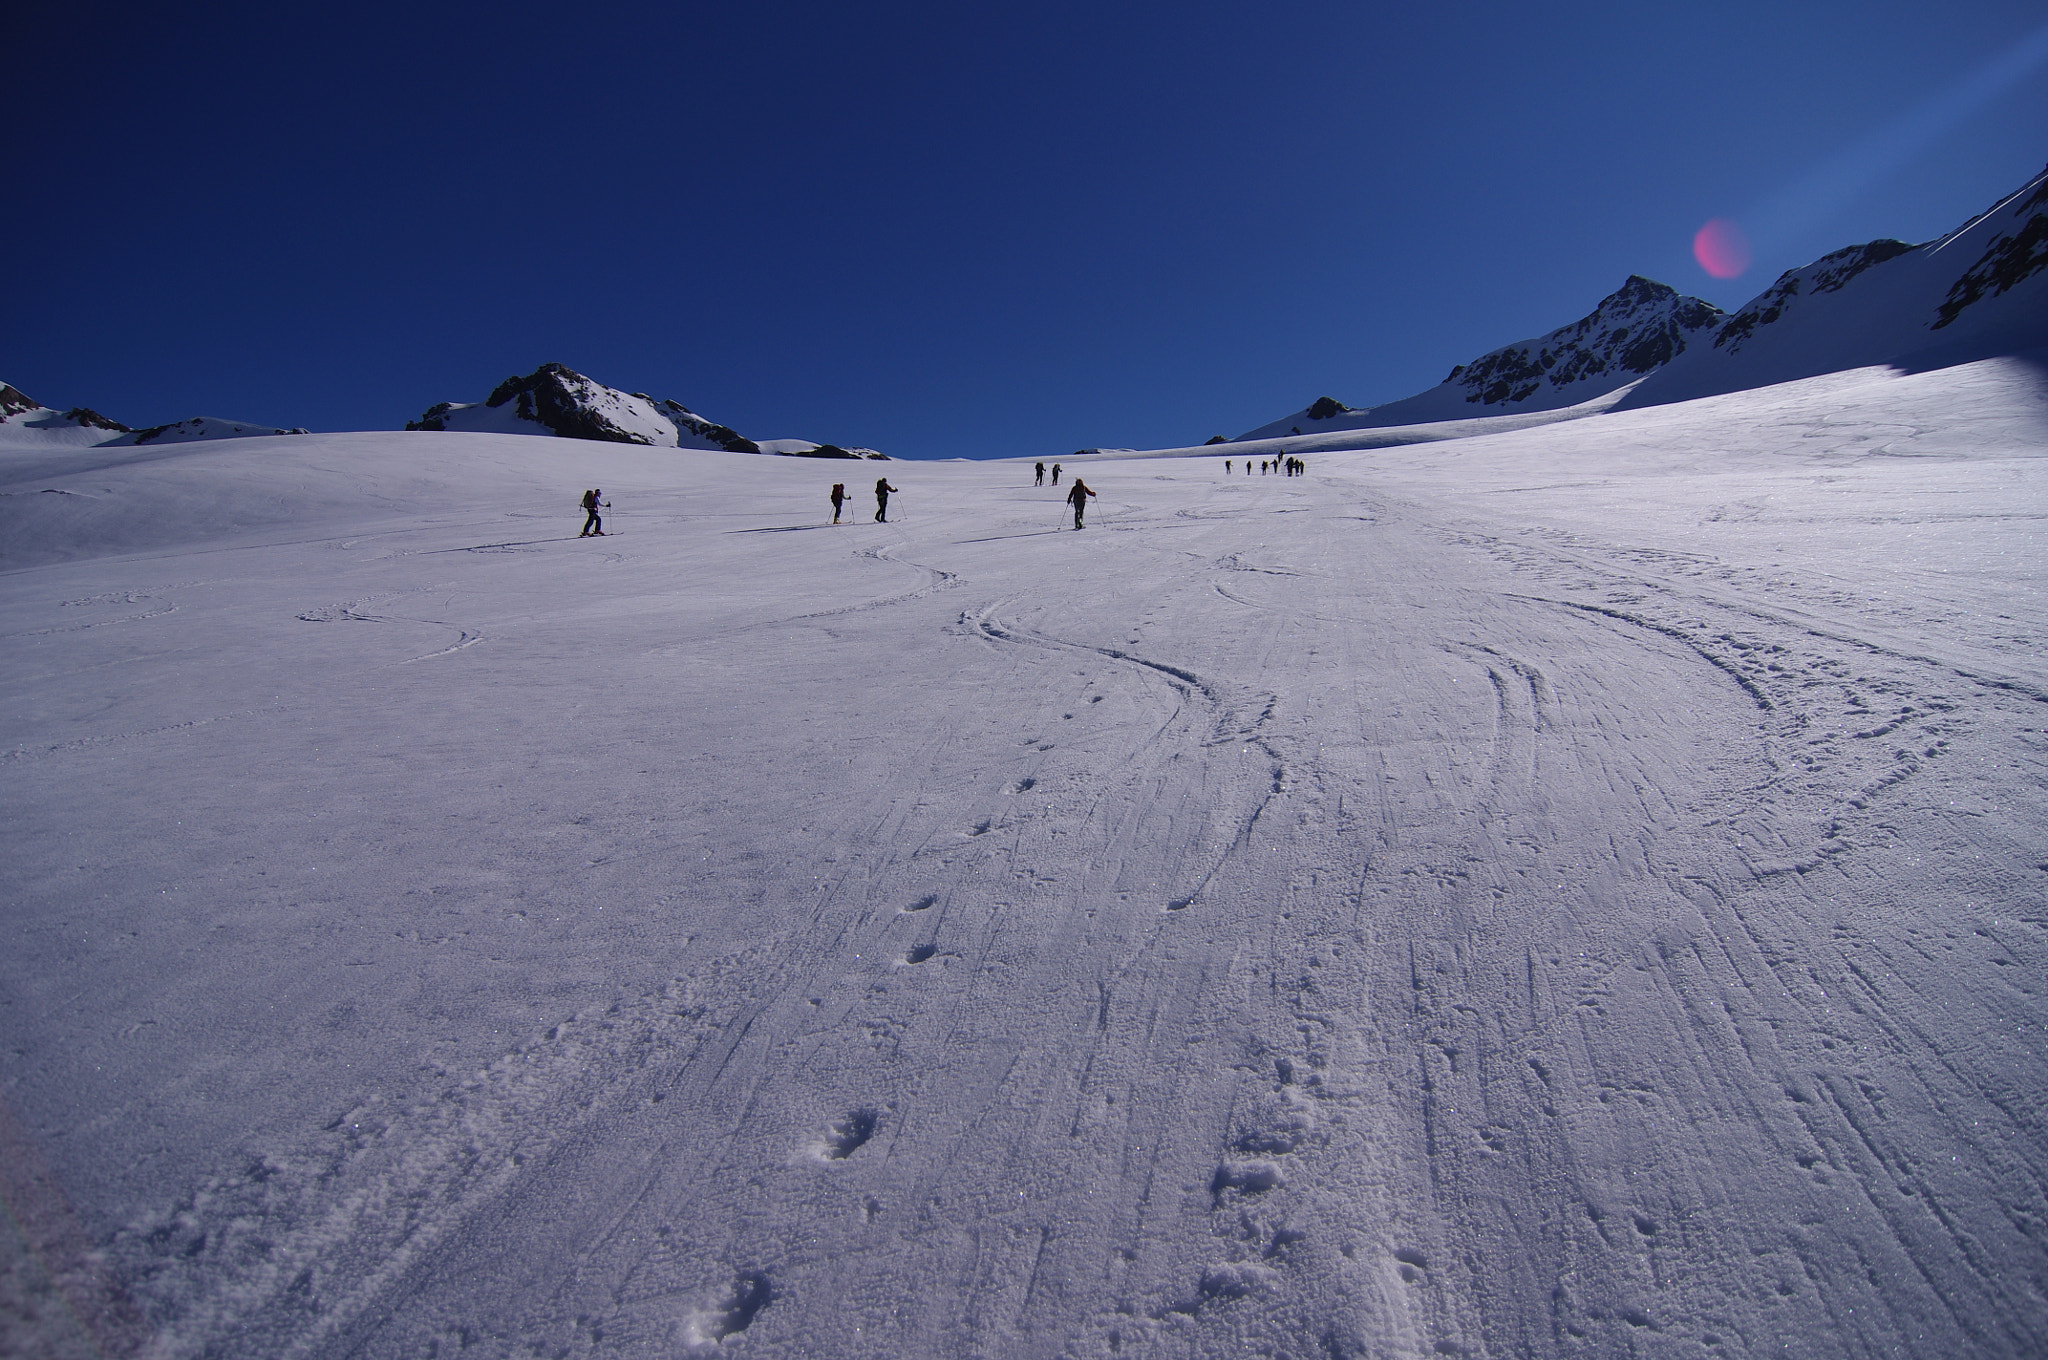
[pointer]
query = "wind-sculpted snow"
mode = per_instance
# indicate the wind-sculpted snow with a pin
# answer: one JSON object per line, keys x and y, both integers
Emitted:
{"x": 1572, "y": 892}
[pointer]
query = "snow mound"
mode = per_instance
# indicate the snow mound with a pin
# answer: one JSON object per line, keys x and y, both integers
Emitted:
{"x": 805, "y": 448}
{"x": 202, "y": 427}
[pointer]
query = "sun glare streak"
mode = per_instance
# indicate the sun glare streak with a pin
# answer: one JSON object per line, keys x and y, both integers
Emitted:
{"x": 1778, "y": 222}
{"x": 1904, "y": 137}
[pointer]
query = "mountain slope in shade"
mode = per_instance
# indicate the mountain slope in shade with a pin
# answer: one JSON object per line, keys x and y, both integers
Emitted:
{"x": 1980, "y": 291}
{"x": 1635, "y": 330}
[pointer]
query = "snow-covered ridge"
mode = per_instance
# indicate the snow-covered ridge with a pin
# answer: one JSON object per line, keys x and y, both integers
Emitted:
{"x": 1635, "y": 330}
{"x": 555, "y": 399}
{"x": 1977, "y": 292}
{"x": 25, "y": 422}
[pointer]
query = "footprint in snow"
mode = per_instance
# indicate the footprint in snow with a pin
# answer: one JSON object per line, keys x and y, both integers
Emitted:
{"x": 847, "y": 1135}
{"x": 742, "y": 1302}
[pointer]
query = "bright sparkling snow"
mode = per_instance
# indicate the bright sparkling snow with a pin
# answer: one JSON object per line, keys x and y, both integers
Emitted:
{"x": 1573, "y": 892}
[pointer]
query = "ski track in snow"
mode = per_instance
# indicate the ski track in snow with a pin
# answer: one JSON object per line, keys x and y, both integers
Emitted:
{"x": 1419, "y": 908}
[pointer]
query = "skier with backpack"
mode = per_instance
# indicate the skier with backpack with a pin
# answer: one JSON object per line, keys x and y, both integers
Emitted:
{"x": 1078, "y": 498}
{"x": 593, "y": 524}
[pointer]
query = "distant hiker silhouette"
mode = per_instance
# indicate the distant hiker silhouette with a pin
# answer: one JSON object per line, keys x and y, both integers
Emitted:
{"x": 1055, "y": 474}
{"x": 1041, "y": 476}
{"x": 882, "y": 490}
{"x": 1078, "y": 498}
{"x": 1226, "y": 467}
{"x": 838, "y": 499}
{"x": 593, "y": 526}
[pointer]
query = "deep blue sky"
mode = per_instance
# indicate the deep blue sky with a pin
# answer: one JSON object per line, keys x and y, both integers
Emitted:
{"x": 935, "y": 228}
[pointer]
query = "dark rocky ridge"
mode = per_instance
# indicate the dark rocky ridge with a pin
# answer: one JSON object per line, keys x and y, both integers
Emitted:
{"x": 13, "y": 401}
{"x": 1639, "y": 327}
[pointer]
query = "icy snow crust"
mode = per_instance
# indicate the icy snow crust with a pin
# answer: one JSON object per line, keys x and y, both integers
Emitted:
{"x": 1573, "y": 892}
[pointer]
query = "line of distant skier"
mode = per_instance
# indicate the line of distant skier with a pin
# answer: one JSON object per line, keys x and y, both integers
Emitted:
{"x": 1078, "y": 495}
{"x": 1290, "y": 466}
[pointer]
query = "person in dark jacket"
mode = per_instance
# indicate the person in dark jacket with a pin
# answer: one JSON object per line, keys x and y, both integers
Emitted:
{"x": 882, "y": 490}
{"x": 1041, "y": 476}
{"x": 593, "y": 525}
{"x": 1055, "y": 474}
{"x": 1078, "y": 498}
{"x": 838, "y": 499}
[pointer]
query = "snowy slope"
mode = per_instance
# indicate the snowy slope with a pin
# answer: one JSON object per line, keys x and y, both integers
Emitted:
{"x": 1979, "y": 291}
{"x": 28, "y": 425}
{"x": 201, "y": 427}
{"x": 1573, "y": 892}
{"x": 1239, "y": 452}
{"x": 26, "y": 422}
{"x": 1636, "y": 329}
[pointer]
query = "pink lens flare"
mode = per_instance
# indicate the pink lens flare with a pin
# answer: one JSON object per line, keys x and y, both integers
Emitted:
{"x": 1721, "y": 249}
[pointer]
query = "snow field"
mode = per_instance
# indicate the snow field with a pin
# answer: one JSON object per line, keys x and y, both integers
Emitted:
{"x": 1574, "y": 892}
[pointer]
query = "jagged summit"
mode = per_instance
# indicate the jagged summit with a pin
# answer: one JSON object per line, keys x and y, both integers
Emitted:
{"x": 555, "y": 399}
{"x": 1640, "y": 326}
{"x": 1636, "y": 329}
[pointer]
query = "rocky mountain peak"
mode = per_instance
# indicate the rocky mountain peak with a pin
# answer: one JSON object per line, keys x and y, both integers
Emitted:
{"x": 1639, "y": 327}
{"x": 556, "y": 399}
